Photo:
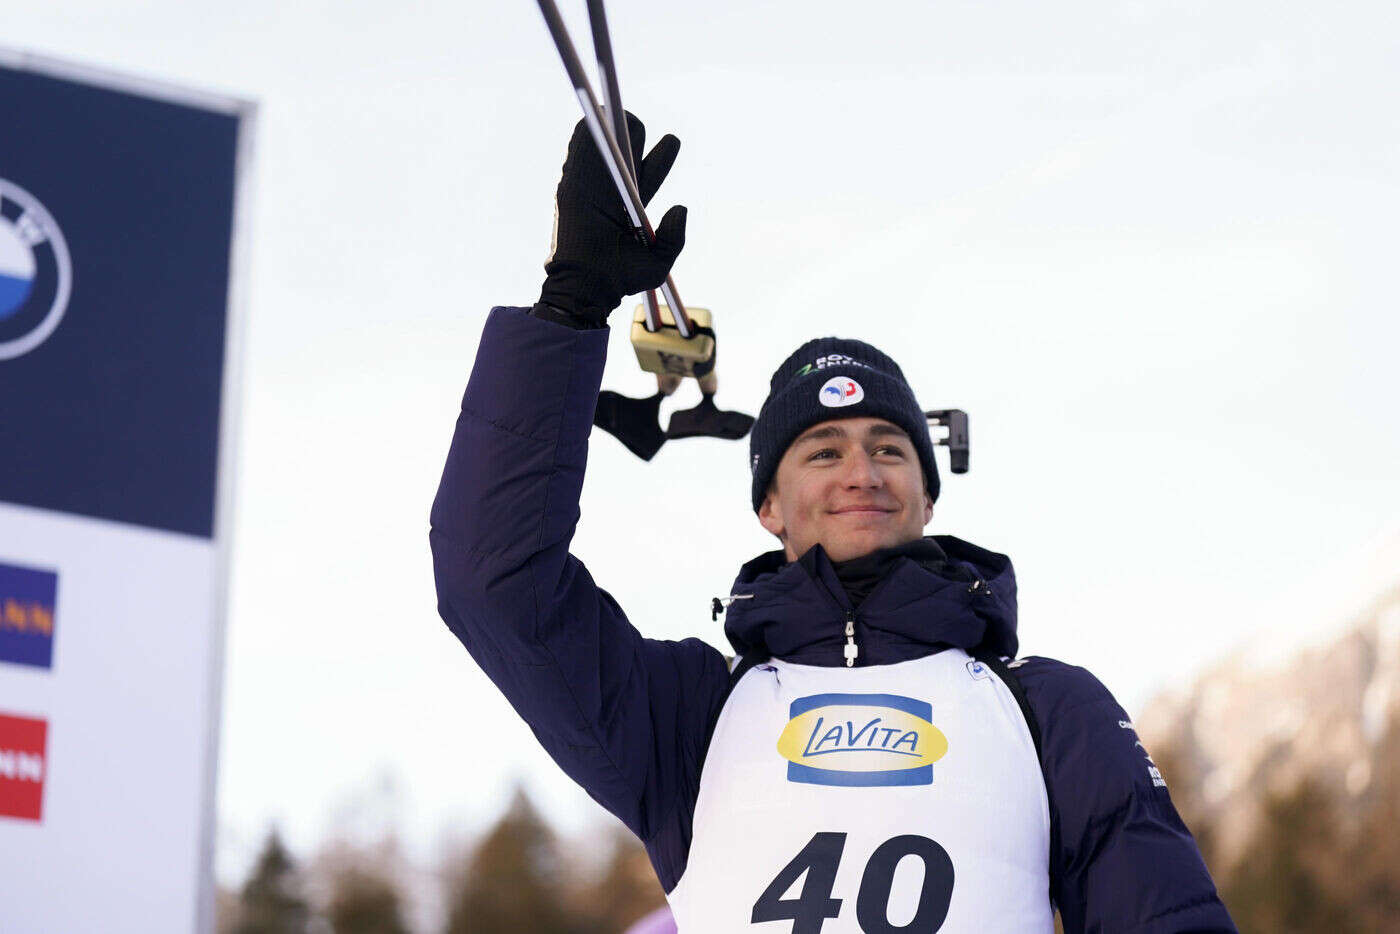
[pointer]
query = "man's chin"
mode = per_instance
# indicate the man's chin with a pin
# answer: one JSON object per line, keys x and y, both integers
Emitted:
{"x": 860, "y": 543}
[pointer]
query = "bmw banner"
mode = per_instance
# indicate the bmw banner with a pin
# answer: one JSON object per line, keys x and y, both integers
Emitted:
{"x": 119, "y": 207}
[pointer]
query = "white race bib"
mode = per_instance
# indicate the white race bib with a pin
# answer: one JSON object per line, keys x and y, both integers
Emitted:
{"x": 895, "y": 798}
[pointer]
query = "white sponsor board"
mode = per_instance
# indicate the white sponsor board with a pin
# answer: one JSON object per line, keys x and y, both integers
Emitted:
{"x": 119, "y": 208}
{"x": 128, "y": 706}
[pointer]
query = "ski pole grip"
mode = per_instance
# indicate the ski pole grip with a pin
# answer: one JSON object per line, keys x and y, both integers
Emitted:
{"x": 666, "y": 351}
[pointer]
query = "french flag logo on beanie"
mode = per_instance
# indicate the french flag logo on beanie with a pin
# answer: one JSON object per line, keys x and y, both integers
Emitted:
{"x": 840, "y": 391}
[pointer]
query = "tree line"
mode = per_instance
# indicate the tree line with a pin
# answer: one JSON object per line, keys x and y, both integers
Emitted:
{"x": 1319, "y": 860}
{"x": 516, "y": 878}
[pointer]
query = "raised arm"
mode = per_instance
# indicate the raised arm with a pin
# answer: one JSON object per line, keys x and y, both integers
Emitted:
{"x": 625, "y": 716}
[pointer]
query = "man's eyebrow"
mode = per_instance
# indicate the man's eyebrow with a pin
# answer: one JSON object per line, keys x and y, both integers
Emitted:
{"x": 886, "y": 428}
{"x": 829, "y": 431}
{"x": 879, "y": 430}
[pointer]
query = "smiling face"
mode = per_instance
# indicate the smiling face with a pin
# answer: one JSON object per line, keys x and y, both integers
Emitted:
{"x": 854, "y": 485}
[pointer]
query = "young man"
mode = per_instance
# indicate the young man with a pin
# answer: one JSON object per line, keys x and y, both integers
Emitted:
{"x": 872, "y": 763}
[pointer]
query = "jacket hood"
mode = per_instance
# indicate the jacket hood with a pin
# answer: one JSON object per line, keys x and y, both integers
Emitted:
{"x": 959, "y": 595}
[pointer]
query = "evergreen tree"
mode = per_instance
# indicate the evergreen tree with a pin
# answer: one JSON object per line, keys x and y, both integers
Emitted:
{"x": 626, "y": 891}
{"x": 1293, "y": 876}
{"x": 1376, "y": 858}
{"x": 271, "y": 901}
{"x": 365, "y": 902}
{"x": 512, "y": 882}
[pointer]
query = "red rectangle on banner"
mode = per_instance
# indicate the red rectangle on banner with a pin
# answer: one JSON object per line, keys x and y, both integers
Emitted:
{"x": 23, "y": 742}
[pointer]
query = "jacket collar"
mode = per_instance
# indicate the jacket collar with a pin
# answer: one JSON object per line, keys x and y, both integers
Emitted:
{"x": 955, "y": 594}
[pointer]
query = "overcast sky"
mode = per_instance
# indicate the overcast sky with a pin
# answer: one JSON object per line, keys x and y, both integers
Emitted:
{"x": 1149, "y": 246}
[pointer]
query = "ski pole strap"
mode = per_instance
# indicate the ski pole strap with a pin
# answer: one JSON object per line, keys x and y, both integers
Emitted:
{"x": 706, "y": 367}
{"x": 634, "y": 422}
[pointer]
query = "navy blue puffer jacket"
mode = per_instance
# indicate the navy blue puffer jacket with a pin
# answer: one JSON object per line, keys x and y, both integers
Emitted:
{"x": 628, "y": 717}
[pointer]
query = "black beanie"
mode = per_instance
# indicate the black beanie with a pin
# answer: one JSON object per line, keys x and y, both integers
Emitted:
{"x": 831, "y": 377}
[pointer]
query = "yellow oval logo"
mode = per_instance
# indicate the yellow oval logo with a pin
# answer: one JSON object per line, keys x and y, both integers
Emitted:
{"x": 861, "y": 737}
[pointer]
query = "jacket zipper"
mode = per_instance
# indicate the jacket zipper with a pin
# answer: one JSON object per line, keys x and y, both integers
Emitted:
{"x": 852, "y": 650}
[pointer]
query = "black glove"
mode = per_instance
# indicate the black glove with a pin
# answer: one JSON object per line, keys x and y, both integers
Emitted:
{"x": 596, "y": 259}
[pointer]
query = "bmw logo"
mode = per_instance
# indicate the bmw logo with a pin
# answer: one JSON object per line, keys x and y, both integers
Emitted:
{"x": 36, "y": 275}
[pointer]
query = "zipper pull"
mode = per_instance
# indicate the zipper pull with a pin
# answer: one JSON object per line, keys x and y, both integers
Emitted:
{"x": 719, "y": 604}
{"x": 852, "y": 650}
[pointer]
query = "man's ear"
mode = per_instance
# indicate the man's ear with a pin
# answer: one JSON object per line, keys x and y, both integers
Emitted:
{"x": 928, "y": 508}
{"x": 770, "y": 515}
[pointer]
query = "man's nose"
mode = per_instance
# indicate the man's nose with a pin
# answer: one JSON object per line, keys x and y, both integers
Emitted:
{"x": 862, "y": 471}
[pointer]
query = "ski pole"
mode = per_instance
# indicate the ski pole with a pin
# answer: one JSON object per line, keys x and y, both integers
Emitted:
{"x": 612, "y": 106}
{"x": 613, "y": 157}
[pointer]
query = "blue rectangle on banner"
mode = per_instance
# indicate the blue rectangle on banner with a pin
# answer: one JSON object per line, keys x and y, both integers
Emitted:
{"x": 116, "y": 218}
{"x": 28, "y": 599}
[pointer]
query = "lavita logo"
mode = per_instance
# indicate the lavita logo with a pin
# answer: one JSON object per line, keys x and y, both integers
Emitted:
{"x": 861, "y": 739}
